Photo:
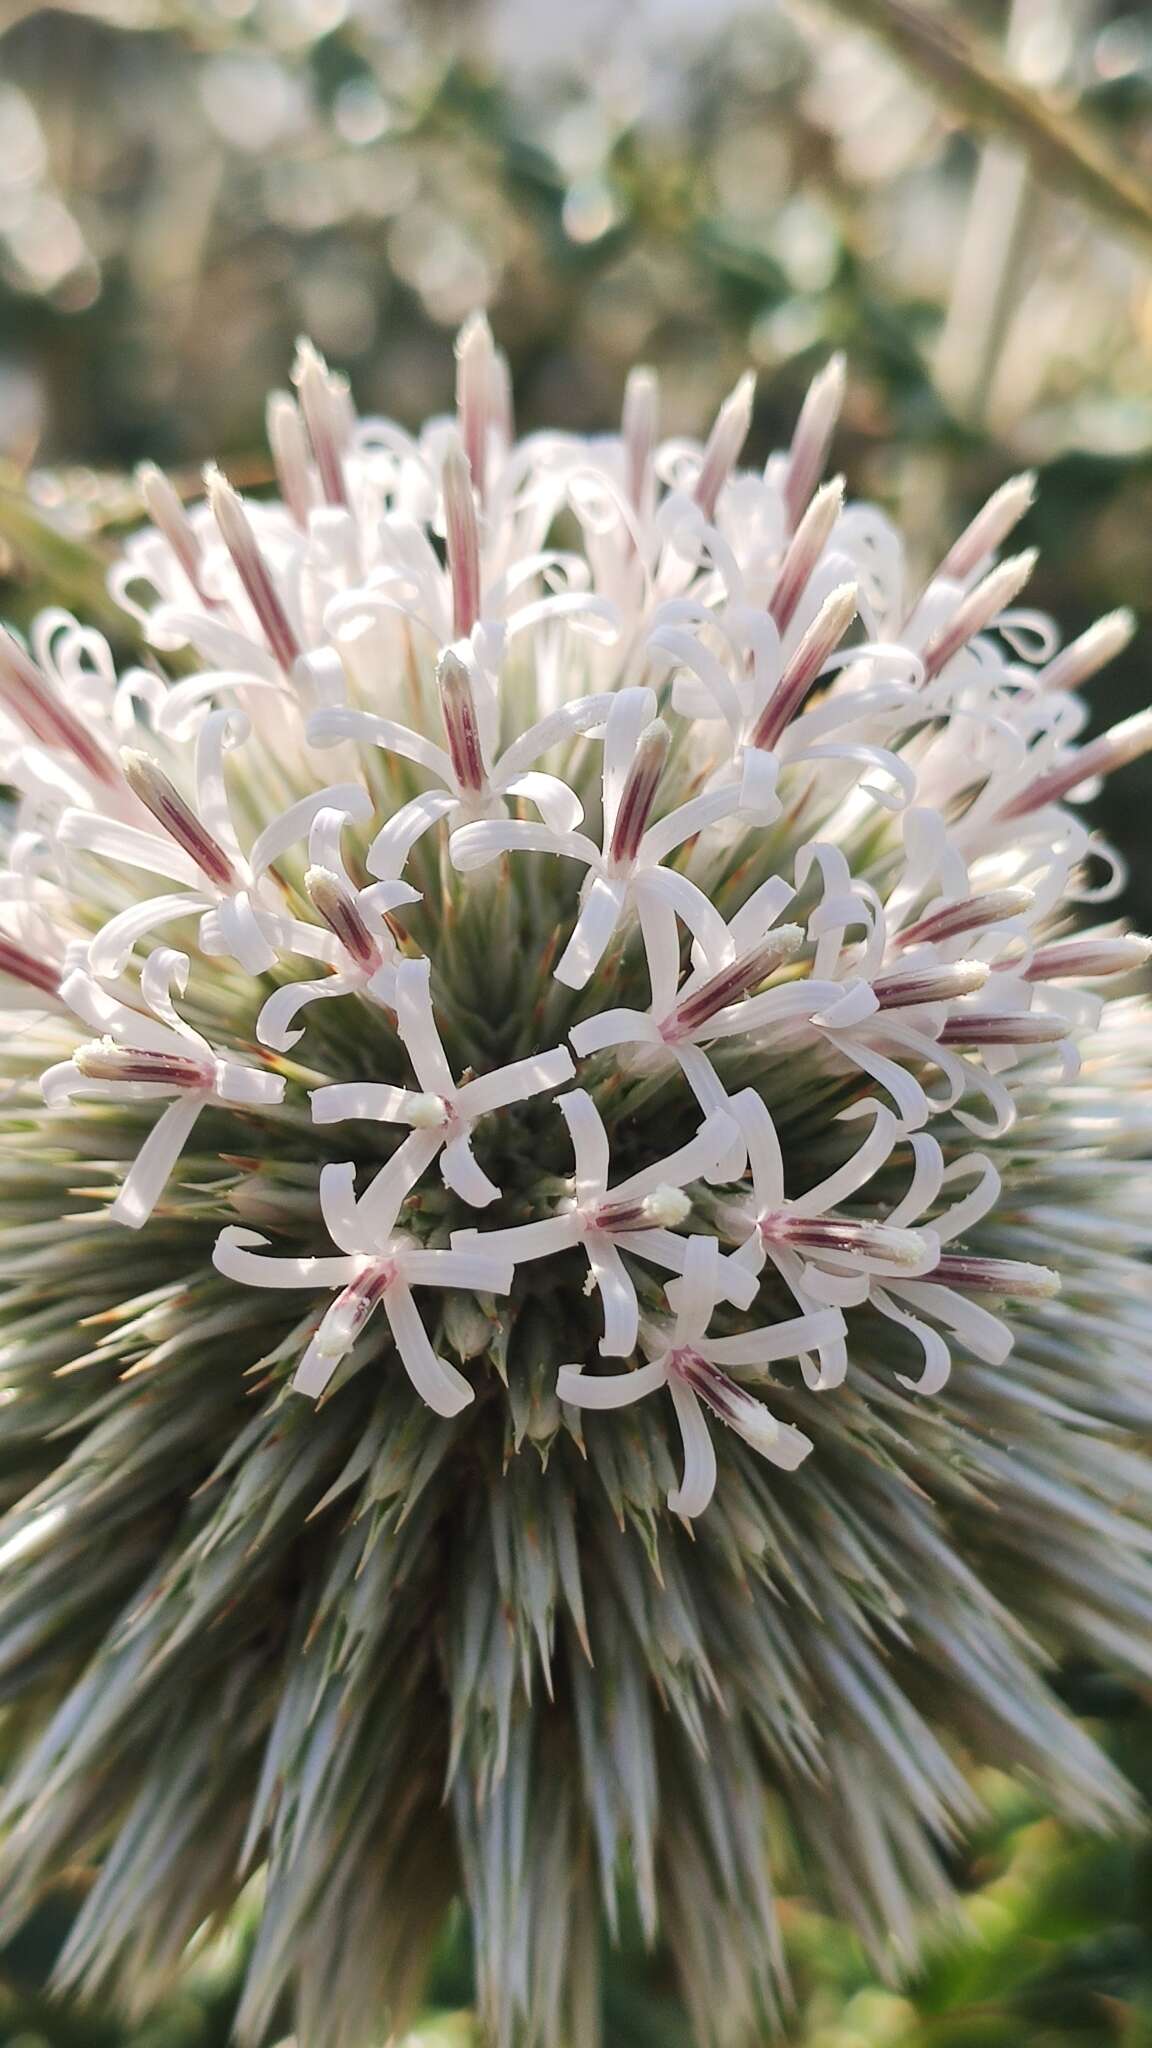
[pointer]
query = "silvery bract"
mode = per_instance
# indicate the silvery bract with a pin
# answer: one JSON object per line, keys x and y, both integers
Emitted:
{"x": 550, "y": 927}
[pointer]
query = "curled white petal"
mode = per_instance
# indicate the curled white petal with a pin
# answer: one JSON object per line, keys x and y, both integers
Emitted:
{"x": 445, "y": 1390}
{"x": 698, "y": 1480}
{"x": 609, "y": 1389}
{"x": 148, "y": 1175}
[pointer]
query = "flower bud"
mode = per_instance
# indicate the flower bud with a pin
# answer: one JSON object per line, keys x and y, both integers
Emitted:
{"x": 639, "y": 793}
{"x": 813, "y": 437}
{"x": 729, "y": 433}
{"x": 147, "y": 780}
{"x": 977, "y": 610}
{"x": 255, "y": 577}
{"x": 103, "y": 1060}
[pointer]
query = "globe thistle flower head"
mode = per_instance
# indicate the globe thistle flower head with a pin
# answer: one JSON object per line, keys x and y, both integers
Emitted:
{"x": 628, "y": 1359}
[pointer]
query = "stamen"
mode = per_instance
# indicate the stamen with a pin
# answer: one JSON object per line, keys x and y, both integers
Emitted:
{"x": 289, "y": 444}
{"x": 977, "y": 610}
{"x": 1092, "y": 651}
{"x": 322, "y": 402}
{"x": 663, "y": 1209}
{"x": 341, "y": 913}
{"x": 905, "y": 1250}
{"x": 741, "y": 1411}
{"x": 819, "y": 642}
{"x": 909, "y": 985}
{"x": 149, "y": 782}
{"x": 732, "y": 982}
{"x": 29, "y": 696}
{"x": 991, "y": 526}
{"x": 27, "y": 967}
{"x": 967, "y": 914}
{"x": 804, "y": 551}
{"x": 813, "y": 437}
{"x": 1126, "y": 742}
{"x": 638, "y": 429}
{"x": 1004, "y": 1027}
{"x": 241, "y": 543}
{"x": 475, "y": 361}
{"x": 462, "y": 539}
{"x": 1090, "y": 956}
{"x": 995, "y": 1276}
{"x": 428, "y": 1112}
{"x": 352, "y": 1308}
{"x": 639, "y": 792}
{"x": 164, "y": 508}
{"x": 461, "y": 728}
{"x": 722, "y": 452}
{"x": 102, "y": 1060}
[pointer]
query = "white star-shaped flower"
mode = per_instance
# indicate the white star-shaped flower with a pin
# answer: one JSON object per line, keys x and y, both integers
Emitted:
{"x": 626, "y": 870}
{"x": 496, "y": 577}
{"x": 442, "y": 1115}
{"x": 198, "y": 847}
{"x": 478, "y": 780}
{"x": 821, "y": 1256}
{"x": 867, "y": 1013}
{"x": 634, "y": 1216}
{"x": 761, "y": 689}
{"x": 142, "y": 1058}
{"x": 679, "y": 1018}
{"x": 355, "y": 940}
{"x": 683, "y": 1358}
{"x": 377, "y": 1266}
{"x": 941, "y": 1291}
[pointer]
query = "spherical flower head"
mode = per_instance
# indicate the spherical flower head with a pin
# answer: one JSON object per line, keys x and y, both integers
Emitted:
{"x": 571, "y": 1238}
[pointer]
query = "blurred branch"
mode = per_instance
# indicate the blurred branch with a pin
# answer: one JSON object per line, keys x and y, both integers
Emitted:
{"x": 964, "y": 71}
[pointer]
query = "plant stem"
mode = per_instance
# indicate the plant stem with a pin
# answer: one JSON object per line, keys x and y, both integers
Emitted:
{"x": 964, "y": 71}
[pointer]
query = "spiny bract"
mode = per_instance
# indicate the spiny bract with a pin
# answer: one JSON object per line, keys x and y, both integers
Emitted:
{"x": 619, "y": 920}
